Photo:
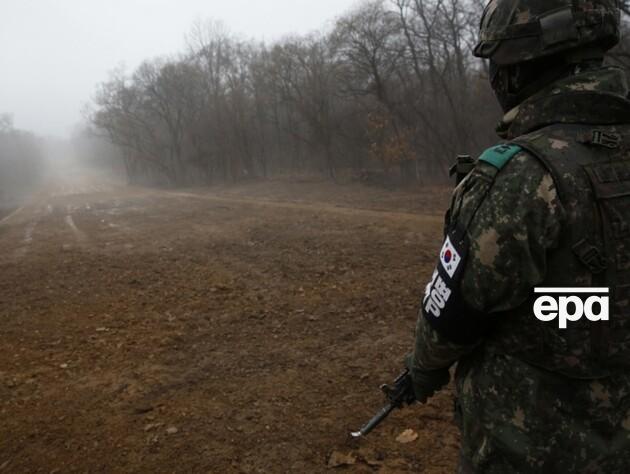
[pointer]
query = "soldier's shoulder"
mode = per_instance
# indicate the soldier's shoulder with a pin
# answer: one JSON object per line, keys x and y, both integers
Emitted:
{"x": 502, "y": 168}
{"x": 509, "y": 179}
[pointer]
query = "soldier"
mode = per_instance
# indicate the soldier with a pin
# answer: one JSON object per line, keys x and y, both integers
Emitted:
{"x": 548, "y": 208}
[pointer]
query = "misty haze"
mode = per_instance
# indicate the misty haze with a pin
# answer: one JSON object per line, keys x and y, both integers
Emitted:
{"x": 216, "y": 223}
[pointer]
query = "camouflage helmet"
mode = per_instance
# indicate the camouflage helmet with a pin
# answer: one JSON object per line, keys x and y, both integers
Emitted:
{"x": 514, "y": 31}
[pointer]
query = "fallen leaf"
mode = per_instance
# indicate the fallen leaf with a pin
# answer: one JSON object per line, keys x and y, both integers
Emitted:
{"x": 338, "y": 459}
{"x": 407, "y": 436}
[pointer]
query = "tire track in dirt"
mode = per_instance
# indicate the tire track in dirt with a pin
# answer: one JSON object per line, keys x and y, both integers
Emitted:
{"x": 32, "y": 215}
{"x": 80, "y": 236}
{"x": 10, "y": 216}
{"x": 27, "y": 240}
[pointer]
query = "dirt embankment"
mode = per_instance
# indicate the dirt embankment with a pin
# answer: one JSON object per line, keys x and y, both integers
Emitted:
{"x": 243, "y": 330}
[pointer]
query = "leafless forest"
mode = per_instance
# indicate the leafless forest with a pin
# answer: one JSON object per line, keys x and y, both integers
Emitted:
{"x": 390, "y": 89}
{"x": 389, "y": 93}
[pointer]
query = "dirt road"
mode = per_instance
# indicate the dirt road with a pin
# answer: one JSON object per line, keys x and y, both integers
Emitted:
{"x": 241, "y": 330}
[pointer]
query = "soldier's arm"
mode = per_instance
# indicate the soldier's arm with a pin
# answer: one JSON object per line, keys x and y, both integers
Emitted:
{"x": 511, "y": 219}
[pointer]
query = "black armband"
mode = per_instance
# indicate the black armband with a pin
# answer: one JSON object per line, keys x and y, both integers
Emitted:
{"x": 444, "y": 306}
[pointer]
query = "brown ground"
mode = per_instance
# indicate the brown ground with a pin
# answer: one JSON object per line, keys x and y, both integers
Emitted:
{"x": 241, "y": 330}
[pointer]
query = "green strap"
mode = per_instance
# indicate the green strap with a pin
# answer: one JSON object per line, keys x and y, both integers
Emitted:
{"x": 498, "y": 156}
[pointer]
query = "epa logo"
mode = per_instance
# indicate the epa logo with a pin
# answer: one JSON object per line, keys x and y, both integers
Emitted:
{"x": 573, "y": 305}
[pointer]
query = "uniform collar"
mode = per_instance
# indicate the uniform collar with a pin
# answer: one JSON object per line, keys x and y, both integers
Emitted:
{"x": 596, "y": 96}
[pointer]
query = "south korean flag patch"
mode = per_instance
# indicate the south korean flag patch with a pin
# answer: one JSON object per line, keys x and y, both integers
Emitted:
{"x": 450, "y": 258}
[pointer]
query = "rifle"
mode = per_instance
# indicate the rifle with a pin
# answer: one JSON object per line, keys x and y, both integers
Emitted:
{"x": 398, "y": 394}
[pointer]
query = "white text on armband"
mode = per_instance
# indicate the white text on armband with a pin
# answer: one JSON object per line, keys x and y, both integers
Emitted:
{"x": 436, "y": 296}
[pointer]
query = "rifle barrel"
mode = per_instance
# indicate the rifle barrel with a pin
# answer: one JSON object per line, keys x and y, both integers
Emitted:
{"x": 374, "y": 422}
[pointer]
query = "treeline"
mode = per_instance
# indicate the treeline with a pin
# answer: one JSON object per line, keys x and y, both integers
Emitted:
{"x": 392, "y": 88}
{"x": 21, "y": 162}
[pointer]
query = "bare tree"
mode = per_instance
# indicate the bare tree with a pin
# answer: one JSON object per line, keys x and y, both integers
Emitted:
{"x": 393, "y": 85}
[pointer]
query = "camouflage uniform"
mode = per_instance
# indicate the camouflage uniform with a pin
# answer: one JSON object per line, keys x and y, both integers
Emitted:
{"x": 532, "y": 397}
{"x": 548, "y": 208}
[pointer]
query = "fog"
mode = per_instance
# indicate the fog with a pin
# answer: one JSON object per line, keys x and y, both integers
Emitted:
{"x": 53, "y": 53}
{"x": 208, "y": 93}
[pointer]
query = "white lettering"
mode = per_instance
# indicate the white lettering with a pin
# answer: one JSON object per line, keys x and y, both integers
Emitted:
{"x": 427, "y": 290}
{"x": 572, "y": 307}
{"x": 546, "y": 308}
{"x": 604, "y": 304}
{"x": 436, "y": 297}
{"x": 433, "y": 308}
{"x": 445, "y": 291}
{"x": 563, "y": 311}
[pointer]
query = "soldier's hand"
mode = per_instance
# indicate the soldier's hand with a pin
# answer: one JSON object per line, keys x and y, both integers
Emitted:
{"x": 426, "y": 383}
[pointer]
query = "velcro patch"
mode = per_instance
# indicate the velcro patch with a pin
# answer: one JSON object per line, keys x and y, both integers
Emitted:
{"x": 449, "y": 257}
{"x": 499, "y": 156}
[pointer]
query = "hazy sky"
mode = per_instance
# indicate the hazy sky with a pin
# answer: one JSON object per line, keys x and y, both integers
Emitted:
{"x": 54, "y": 52}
